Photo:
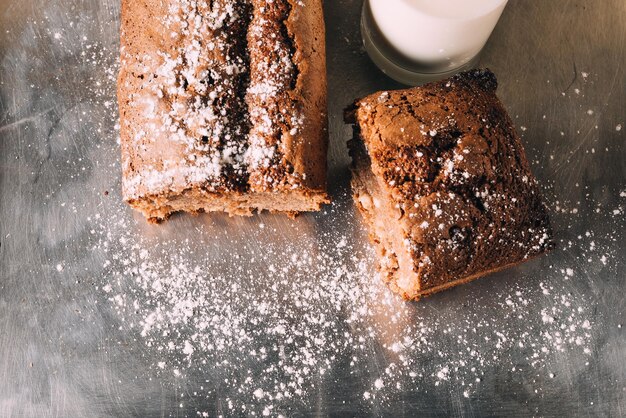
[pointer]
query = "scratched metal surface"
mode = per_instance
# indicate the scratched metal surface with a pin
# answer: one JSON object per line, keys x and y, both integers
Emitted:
{"x": 61, "y": 350}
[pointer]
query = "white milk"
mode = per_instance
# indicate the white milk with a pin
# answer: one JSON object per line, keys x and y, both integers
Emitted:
{"x": 430, "y": 36}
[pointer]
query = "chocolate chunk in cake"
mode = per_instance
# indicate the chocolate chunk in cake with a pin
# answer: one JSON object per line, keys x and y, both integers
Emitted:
{"x": 442, "y": 181}
{"x": 223, "y": 106}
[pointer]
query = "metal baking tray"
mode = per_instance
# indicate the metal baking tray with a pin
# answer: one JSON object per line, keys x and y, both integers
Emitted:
{"x": 104, "y": 315}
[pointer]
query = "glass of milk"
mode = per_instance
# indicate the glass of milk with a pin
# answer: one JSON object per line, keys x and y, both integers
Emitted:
{"x": 416, "y": 41}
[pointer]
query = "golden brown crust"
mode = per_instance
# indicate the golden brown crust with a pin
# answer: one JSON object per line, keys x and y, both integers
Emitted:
{"x": 449, "y": 169}
{"x": 197, "y": 117}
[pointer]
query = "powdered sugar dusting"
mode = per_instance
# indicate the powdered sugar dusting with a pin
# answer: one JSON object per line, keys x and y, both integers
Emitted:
{"x": 318, "y": 307}
{"x": 270, "y": 325}
{"x": 187, "y": 99}
{"x": 165, "y": 307}
{"x": 205, "y": 104}
{"x": 265, "y": 318}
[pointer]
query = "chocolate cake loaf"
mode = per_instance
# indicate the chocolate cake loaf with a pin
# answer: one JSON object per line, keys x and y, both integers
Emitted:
{"x": 442, "y": 181}
{"x": 223, "y": 106}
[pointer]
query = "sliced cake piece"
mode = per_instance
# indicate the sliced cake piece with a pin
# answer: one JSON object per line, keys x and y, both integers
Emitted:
{"x": 442, "y": 181}
{"x": 223, "y": 106}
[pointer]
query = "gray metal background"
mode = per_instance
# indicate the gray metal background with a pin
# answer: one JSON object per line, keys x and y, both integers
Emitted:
{"x": 62, "y": 352}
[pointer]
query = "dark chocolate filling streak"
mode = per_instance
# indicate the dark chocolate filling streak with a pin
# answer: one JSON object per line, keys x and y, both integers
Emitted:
{"x": 251, "y": 53}
{"x": 234, "y": 97}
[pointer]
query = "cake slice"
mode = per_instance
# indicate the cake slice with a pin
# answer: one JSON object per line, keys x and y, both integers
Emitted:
{"x": 443, "y": 184}
{"x": 223, "y": 106}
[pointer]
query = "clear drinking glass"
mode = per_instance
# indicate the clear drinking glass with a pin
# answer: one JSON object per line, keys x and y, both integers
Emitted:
{"x": 416, "y": 41}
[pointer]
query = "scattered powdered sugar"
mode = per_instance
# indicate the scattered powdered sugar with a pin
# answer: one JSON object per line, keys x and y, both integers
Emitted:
{"x": 267, "y": 318}
{"x": 270, "y": 324}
